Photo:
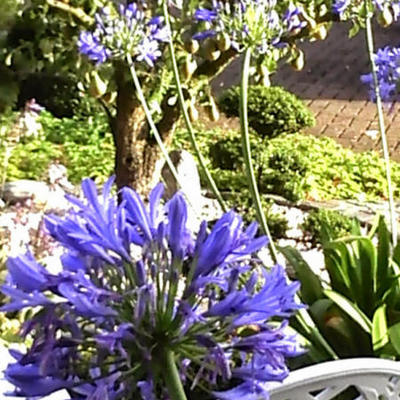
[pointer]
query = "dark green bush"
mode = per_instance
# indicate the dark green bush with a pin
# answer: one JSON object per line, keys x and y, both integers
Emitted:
{"x": 322, "y": 225}
{"x": 58, "y": 94}
{"x": 272, "y": 110}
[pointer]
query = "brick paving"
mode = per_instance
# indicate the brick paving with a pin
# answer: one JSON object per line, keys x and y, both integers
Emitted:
{"x": 330, "y": 85}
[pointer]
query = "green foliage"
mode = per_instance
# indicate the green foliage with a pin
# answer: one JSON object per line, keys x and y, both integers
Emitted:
{"x": 84, "y": 146}
{"x": 272, "y": 110}
{"x": 77, "y": 130}
{"x": 322, "y": 225}
{"x": 95, "y": 159}
{"x": 30, "y": 159}
{"x": 277, "y": 224}
{"x": 39, "y": 56}
{"x": 296, "y": 166}
{"x": 57, "y": 94}
{"x": 358, "y": 312}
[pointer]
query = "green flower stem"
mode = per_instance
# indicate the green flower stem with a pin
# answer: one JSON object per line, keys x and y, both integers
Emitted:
{"x": 379, "y": 107}
{"x": 171, "y": 376}
{"x": 153, "y": 127}
{"x": 244, "y": 126}
{"x": 186, "y": 118}
{"x": 302, "y": 315}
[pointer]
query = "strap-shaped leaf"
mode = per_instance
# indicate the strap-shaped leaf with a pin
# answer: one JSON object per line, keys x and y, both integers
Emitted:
{"x": 394, "y": 335}
{"x": 380, "y": 335}
{"x": 311, "y": 289}
{"x": 350, "y": 309}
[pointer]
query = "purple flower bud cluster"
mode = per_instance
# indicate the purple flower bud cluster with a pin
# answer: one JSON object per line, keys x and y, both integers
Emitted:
{"x": 127, "y": 31}
{"x": 387, "y": 61}
{"x": 252, "y": 24}
{"x": 136, "y": 281}
{"x": 348, "y": 8}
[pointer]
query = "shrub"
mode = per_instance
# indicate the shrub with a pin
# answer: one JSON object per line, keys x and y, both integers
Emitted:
{"x": 322, "y": 225}
{"x": 357, "y": 311}
{"x": 272, "y": 110}
{"x": 84, "y": 146}
{"x": 58, "y": 94}
{"x": 296, "y": 166}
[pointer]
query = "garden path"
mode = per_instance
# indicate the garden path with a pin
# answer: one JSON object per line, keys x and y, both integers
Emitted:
{"x": 330, "y": 85}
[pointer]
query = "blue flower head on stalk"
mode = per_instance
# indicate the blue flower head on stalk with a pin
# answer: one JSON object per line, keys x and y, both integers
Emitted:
{"x": 387, "y": 61}
{"x": 126, "y": 31}
{"x": 350, "y": 9}
{"x": 249, "y": 23}
{"x": 136, "y": 285}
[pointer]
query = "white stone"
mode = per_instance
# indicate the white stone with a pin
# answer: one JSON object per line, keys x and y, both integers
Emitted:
{"x": 43, "y": 195}
{"x": 58, "y": 176}
{"x": 189, "y": 179}
{"x": 186, "y": 167}
{"x": 24, "y": 189}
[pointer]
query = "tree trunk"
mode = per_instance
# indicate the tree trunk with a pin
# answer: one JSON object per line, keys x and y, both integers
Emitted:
{"x": 136, "y": 149}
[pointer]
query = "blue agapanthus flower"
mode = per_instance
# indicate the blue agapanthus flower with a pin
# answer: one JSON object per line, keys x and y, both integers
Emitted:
{"x": 249, "y": 23}
{"x": 348, "y": 9}
{"x": 340, "y": 6}
{"x": 137, "y": 283}
{"x": 387, "y": 61}
{"x": 127, "y": 31}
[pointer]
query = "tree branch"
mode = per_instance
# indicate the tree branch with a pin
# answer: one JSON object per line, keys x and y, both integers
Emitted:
{"x": 75, "y": 11}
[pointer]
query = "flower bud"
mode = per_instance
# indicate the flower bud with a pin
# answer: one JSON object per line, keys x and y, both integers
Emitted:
{"x": 191, "y": 46}
{"x": 189, "y": 66}
{"x": 321, "y": 32}
{"x": 210, "y": 50}
{"x": 97, "y": 87}
{"x": 193, "y": 113}
{"x": 212, "y": 110}
{"x": 323, "y": 10}
{"x": 223, "y": 42}
{"x": 110, "y": 97}
{"x": 298, "y": 62}
{"x": 385, "y": 18}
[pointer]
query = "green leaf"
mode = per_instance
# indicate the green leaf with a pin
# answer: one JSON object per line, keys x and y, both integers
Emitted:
{"x": 394, "y": 335}
{"x": 380, "y": 336}
{"x": 354, "y": 30}
{"x": 350, "y": 309}
{"x": 311, "y": 289}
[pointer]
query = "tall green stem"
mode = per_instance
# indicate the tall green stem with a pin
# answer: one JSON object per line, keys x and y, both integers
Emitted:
{"x": 185, "y": 114}
{"x": 171, "y": 377}
{"x": 302, "y": 316}
{"x": 246, "y": 149}
{"x": 379, "y": 107}
{"x": 153, "y": 127}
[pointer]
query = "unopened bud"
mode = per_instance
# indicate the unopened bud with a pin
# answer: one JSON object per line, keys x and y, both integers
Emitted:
{"x": 193, "y": 113}
{"x": 189, "y": 66}
{"x": 110, "y": 97}
{"x": 211, "y": 52}
{"x": 97, "y": 87}
{"x": 321, "y": 32}
{"x": 191, "y": 46}
{"x": 298, "y": 62}
{"x": 385, "y": 18}
{"x": 212, "y": 110}
{"x": 223, "y": 42}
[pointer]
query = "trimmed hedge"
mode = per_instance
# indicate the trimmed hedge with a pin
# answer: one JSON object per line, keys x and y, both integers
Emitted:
{"x": 272, "y": 110}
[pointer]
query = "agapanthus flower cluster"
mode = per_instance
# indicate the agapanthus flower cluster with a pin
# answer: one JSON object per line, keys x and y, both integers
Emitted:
{"x": 135, "y": 283}
{"x": 387, "y": 61}
{"x": 348, "y": 9}
{"x": 127, "y": 31}
{"x": 252, "y": 24}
